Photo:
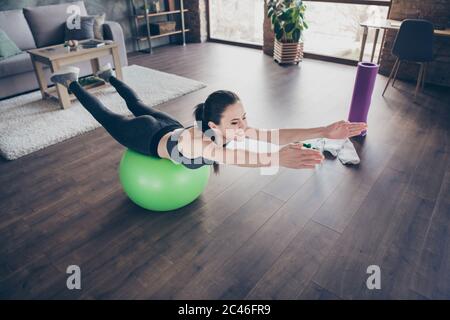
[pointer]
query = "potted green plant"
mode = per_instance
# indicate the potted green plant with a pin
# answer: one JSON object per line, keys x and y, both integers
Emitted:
{"x": 288, "y": 22}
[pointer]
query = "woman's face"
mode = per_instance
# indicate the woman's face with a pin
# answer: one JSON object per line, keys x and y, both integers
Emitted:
{"x": 233, "y": 123}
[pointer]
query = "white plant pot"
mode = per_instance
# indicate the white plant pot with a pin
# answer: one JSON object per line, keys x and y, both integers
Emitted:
{"x": 287, "y": 52}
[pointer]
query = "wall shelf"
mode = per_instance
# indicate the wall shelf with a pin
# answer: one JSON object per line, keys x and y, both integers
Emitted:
{"x": 156, "y": 36}
{"x": 175, "y": 13}
{"x": 162, "y": 13}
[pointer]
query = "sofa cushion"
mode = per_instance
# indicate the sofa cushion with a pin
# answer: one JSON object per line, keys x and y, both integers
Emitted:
{"x": 14, "y": 65}
{"x": 86, "y": 30}
{"x": 16, "y": 27}
{"x": 7, "y": 47}
{"x": 98, "y": 26}
{"x": 47, "y": 23}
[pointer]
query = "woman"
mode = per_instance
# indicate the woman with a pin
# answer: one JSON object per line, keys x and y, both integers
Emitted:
{"x": 220, "y": 119}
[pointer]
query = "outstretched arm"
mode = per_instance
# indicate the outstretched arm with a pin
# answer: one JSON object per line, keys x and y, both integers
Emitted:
{"x": 290, "y": 156}
{"x": 284, "y": 136}
{"x": 337, "y": 130}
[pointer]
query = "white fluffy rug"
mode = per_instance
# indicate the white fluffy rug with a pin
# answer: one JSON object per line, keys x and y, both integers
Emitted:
{"x": 28, "y": 123}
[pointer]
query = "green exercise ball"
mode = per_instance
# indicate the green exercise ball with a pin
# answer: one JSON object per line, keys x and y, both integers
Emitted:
{"x": 160, "y": 184}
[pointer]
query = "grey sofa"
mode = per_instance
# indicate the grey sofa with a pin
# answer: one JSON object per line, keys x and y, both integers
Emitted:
{"x": 37, "y": 27}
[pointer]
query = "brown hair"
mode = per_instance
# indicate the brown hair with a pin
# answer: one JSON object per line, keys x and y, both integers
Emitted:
{"x": 212, "y": 110}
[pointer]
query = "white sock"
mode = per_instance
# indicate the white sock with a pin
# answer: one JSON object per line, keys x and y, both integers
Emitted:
{"x": 333, "y": 146}
{"x": 341, "y": 148}
{"x": 105, "y": 67}
{"x": 317, "y": 144}
{"x": 348, "y": 155}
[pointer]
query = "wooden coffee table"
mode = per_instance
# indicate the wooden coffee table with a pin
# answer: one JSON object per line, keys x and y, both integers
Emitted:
{"x": 59, "y": 56}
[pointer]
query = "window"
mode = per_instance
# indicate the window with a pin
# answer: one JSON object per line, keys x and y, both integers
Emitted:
{"x": 334, "y": 28}
{"x": 237, "y": 20}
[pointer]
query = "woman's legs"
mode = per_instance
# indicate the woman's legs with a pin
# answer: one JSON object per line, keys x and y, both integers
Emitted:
{"x": 106, "y": 117}
{"x": 140, "y": 134}
{"x": 132, "y": 133}
{"x": 134, "y": 103}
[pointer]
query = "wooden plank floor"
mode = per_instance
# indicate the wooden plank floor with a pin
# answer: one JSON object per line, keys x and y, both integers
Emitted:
{"x": 294, "y": 235}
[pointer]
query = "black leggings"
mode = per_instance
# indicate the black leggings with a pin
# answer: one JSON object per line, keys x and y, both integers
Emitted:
{"x": 142, "y": 133}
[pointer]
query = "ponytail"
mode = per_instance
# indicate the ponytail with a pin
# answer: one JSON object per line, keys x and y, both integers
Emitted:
{"x": 199, "y": 115}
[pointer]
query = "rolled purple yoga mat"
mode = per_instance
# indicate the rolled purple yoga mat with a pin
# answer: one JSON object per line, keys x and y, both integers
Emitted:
{"x": 362, "y": 92}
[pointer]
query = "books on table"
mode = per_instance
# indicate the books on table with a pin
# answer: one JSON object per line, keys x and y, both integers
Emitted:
{"x": 92, "y": 43}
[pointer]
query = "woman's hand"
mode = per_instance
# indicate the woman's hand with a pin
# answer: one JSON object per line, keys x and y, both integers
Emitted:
{"x": 344, "y": 129}
{"x": 295, "y": 157}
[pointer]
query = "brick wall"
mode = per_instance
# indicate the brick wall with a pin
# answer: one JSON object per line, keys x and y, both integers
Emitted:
{"x": 268, "y": 34}
{"x": 196, "y": 20}
{"x": 437, "y": 11}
